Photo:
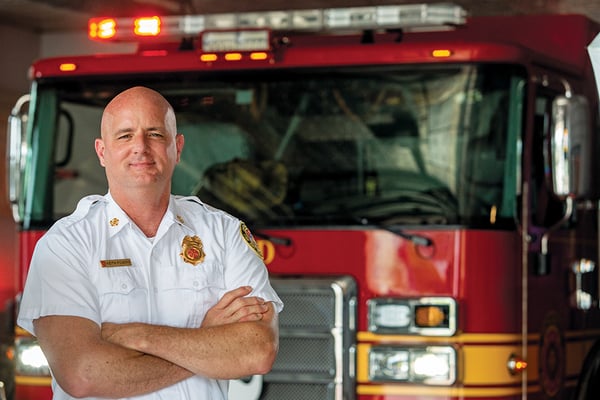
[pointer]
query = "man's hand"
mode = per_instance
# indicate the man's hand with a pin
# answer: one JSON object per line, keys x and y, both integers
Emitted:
{"x": 235, "y": 307}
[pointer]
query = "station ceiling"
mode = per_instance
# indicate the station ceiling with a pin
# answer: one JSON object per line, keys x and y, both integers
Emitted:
{"x": 65, "y": 15}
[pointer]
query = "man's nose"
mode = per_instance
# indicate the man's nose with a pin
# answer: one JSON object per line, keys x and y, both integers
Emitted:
{"x": 140, "y": 143}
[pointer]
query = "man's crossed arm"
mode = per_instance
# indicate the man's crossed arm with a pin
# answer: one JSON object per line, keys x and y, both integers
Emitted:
{"x": 238, "y": 337}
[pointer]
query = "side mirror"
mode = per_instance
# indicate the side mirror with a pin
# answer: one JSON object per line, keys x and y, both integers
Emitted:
{"x": 16, "y": 154}
{"x": 570, "y": 158}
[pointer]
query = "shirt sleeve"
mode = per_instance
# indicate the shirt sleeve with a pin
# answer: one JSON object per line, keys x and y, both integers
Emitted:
{"x": 58, "y": 282}
{"x": 245, "y": 266}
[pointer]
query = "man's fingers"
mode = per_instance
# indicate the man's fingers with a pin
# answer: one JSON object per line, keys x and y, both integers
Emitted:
{"x": 236, "y": 306}
{"x": 233, "y": 295}
{"x": 259, "y": 313}
{"x": 250, "y": 312}
{"x": 240, "y": 309}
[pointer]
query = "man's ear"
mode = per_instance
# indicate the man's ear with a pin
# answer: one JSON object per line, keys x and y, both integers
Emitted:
{"x": 179, "y": 141}
{"x": 99, "y": 145}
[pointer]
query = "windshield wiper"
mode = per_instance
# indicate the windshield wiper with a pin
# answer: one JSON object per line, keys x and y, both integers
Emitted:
{"x": 417, "y": 240}
{"x": 283, "y": 241}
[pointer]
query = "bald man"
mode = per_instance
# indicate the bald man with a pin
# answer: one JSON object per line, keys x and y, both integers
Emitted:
{"x": 140, "y": 293}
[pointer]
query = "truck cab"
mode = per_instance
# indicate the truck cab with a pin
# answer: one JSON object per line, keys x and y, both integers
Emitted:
{"x": 421, "y": 182}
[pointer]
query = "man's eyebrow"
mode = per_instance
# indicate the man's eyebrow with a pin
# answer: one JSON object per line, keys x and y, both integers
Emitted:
{"x": 149, "y": 129}
{"x": 122, "y": 130}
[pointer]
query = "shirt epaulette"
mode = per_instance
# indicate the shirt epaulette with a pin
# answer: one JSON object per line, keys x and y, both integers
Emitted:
{"x": 83, "y": 208}
{"x": 210, "y": 209}
{"x": 195, "y": 199}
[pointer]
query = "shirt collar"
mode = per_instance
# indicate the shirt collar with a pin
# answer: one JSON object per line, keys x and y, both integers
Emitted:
{"x": 177, "y": 215}
{"x": 117, "y": 218}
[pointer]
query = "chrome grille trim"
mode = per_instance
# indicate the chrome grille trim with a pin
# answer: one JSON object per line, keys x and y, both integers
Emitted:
{"x": 317, "y": 340}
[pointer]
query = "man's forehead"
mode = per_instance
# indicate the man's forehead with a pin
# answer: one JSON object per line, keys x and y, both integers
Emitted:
{"x": 134, "y": 111}
{"x": 135, "y": 116}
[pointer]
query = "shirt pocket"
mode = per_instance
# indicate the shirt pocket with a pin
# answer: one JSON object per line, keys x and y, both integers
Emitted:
{"x": 185, "y": 293}
{"x": 123, "y": 296}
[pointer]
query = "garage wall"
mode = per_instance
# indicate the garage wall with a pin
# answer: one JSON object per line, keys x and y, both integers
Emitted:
{"x": 53, "y": 44}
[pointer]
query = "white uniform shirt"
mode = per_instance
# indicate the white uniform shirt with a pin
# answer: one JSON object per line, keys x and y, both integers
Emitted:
{"x": 98, "y": 265}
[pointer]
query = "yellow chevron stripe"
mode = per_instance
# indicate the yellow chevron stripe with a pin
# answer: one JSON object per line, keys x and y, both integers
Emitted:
{"x": 442, "y": 392}
{"x": 33, "y": 380}
{"x": 458, "y": 339}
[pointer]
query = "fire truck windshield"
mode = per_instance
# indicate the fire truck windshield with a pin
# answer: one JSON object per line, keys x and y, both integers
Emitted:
{"x": 391, "y": 145}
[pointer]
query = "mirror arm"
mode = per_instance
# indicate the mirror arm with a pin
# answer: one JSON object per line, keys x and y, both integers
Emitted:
{"x": 568, "y": 213}
{"x": 568, "y": 91}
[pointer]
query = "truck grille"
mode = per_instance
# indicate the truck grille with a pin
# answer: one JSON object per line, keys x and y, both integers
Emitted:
{"x": 316, "y": 340}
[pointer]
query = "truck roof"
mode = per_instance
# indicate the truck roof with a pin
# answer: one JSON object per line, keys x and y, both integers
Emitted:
{"x": 544, "y": 39}
{"x": 560, "y": 36}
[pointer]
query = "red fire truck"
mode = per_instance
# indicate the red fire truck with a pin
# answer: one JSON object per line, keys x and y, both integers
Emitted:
{"x": 421, "y": 181}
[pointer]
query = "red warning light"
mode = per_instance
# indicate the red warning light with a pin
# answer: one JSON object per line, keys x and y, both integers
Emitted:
{"x": 102, "y": 28}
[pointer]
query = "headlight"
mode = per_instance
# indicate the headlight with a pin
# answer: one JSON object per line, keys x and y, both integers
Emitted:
{"x": 29, "y": 358}
{"x": 434, "y": 316}
{"x": 435, "y": 365}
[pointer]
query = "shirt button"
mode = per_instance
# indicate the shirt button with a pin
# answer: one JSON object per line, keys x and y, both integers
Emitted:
{"x": 123, "y": 286}
{"x": 196, "y": 283}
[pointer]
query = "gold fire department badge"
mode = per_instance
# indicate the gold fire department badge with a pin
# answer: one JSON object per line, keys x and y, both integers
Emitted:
{"x": 192, "y": 250}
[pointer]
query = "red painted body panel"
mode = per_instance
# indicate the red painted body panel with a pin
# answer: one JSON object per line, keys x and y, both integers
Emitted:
{"x": 457, "y": 265}
{"x": 8, "y": 259}
{"x": 33, "y": 392}
{"x": 27, "y": 241}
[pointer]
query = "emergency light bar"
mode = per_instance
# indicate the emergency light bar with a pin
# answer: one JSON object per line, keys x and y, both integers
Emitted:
{"x": 405, "y": 16}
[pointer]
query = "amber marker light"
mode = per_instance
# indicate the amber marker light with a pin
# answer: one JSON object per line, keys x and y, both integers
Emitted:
{"x": 493, "y": 214}
{"x": 67, "y": 67}
{"x": 258, "y": 56}
{"x": 233, "y": 56}
{"x": 441, "y": 53}
{"x": 147, "y": 26}
{"x": 516, "y": 364}
{"x": 104, "y": 28}
{"x": 430, "y": 316}
{"x": 209, "y": 57}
